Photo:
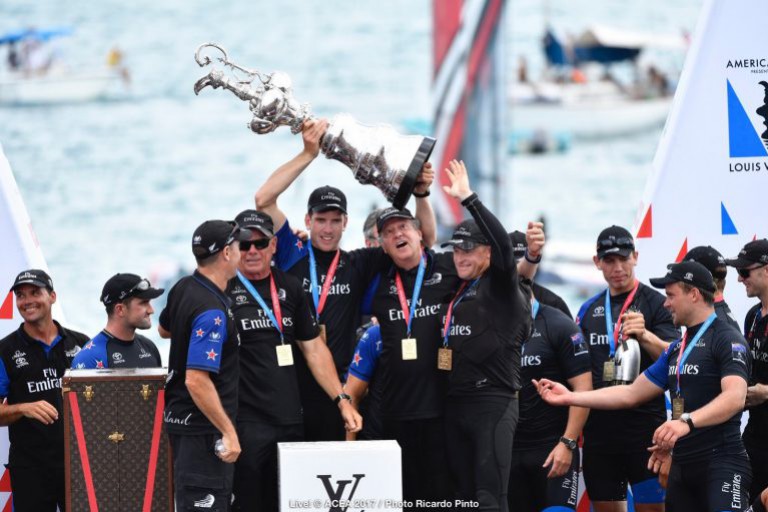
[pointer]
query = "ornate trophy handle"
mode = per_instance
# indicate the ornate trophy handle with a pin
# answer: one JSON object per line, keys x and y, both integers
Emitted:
{"x": 377, "y": 155}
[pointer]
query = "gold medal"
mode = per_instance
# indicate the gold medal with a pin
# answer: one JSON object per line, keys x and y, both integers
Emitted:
{"x": 444, "y": 359}
{"x": 609, "y": 371}
{"x": 409, "y": 349}
{"x": 678, "y": 407}
{"x": 323, "y": 334}
{"x": 284, "y": 355}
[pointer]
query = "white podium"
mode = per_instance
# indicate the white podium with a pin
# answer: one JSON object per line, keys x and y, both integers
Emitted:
{"x": 353, "y": 476}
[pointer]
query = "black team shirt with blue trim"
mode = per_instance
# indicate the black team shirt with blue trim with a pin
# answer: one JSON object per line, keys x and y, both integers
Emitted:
{"x": 106, "y": 351}
{"x": 203, "y": 337}
{"x": 30, "y": 371}
{"x": 632, "y": 429}
{"x": 722, "y": 351}
{"x": 269, "y": 392}
{"x": 556, "y": 350}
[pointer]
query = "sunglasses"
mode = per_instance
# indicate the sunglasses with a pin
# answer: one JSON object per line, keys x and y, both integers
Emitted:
{"x": 623, "y": 243}
{"x": 141, "y": 286}
{"x": 746, "y": 272}
{"x": 260, "y": 244}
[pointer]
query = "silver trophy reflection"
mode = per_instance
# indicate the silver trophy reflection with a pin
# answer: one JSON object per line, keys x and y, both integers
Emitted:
{"x": 627, "y": 358}
{"x": 377, "y": 155}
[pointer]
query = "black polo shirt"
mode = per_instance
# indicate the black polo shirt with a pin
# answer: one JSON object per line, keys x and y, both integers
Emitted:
{"x": 724, "y": 313}
{"x": 414, "y": 389}
{"x": 623, "y": 430}
{"x": 756, "y": 332}
{"x": 32, "y": 371}
{"x": 556, "y": 351}
{"x": 269, "y": 392}
{"x": 106, "y": 351}
{"x": 203, "y": 337}
{"x": 720, "y": 352}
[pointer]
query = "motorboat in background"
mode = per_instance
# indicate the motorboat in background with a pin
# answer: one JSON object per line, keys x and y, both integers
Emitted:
{"x": 584, "y": 93}
{"x": 33, "y": 72}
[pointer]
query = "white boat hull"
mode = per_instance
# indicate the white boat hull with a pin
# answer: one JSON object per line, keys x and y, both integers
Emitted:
{"x": 58, "y": 88}
{"x": 591, "y": 120}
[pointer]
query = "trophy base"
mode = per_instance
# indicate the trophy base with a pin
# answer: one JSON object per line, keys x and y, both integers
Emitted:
{"x": 409, "y": 180}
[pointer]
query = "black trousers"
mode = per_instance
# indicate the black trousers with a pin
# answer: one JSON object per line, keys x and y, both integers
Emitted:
{"x": 757, "y": 449}
{"x": 479, "y": 436}
{"x": 201, "y": 479}
{"x": 425, "y": 469}
{"x": 255, "y": 487}
{"x": 719, "y": 484}
{"x": 529, "y": 488}
{"x": 37, "y": 489}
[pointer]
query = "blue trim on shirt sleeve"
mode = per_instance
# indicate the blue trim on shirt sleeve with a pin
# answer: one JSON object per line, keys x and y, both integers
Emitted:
{"x": 290, "y": 248}
{"x": 92, "y": 352}
{"x": 367, "y": 353}
{"x": 5, "y": 382}
{"x": 585, "y": 307}
{"x": 366, "y": 304}
{"x": 206, "y": 341}
{"x": 658, "y": 372}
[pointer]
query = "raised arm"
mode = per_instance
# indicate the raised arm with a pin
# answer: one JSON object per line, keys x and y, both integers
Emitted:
{"x": 424, "y": 212}
{"x": 284, "y": 176}
{"x": 502, "y": 256}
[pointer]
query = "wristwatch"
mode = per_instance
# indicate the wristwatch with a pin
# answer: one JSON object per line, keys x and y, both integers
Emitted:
{"x": 686, "y": 417}
{"x": 570, "y": 443}
{"x": 342, "y": 396}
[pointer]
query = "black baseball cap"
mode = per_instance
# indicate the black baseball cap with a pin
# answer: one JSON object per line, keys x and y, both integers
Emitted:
{"x": 688, "y": 272}
{"x": 327, "y": 198}
{"x": 254, "y": 219}
{"x": 390, "y": 213}
{"x": 124, "y": 286}
{"x": 755, "y": 251}
{"x": 519, "y": 243}
{"x": 35, "y": 277}
{"x": 615, "y": 240}
{"x": 709, "y": 257}
{"x": 212, "y": 236}
{"x": 467, "y": 236}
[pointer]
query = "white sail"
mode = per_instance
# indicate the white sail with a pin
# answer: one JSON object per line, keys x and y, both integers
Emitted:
{"x": 710, "y": 174}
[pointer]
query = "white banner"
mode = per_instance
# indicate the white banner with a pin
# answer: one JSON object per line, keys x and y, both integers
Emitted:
{"x": 341, "y": 477}
{"x": 709, "y": 180}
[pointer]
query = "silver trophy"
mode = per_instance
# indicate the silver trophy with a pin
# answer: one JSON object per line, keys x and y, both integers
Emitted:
{"x": 377, "y": 155}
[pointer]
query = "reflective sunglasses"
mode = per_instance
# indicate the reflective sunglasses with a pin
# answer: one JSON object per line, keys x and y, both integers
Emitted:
{"x": 746, "y": 272}
{"x": 141, "y": 286}
{"x": 623, "y": 243}
{"x": 260, "y": 244}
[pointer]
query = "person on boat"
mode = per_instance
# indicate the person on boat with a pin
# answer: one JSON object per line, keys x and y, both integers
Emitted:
{"x": 715, "y": 263}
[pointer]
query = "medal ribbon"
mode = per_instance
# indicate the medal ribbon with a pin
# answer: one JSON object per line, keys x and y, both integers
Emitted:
{"x": 613, "y": 332}
{"x": 534, "y": 308}
{"x": 319, "y": 299}
{"x": 408, "y": 313}
{"x": 686, "y": 351}
{"x": 277, "y": 317}
{"x": 755, "y": 321}
{"x": 463, "y": 290}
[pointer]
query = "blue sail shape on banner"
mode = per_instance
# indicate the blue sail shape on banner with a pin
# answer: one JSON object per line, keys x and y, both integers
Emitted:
{"x": 726, "y": 223}
{"x": 742, "y": 137}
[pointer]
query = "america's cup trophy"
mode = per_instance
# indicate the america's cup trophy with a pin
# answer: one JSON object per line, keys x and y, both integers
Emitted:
{"x": 376, "y": 154}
